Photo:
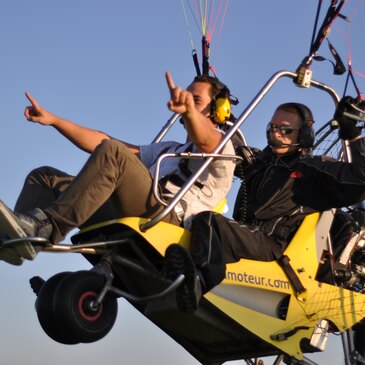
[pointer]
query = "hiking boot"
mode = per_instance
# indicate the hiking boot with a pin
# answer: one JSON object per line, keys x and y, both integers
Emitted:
{"x": 15, "y": 225}
{"x": 178, "y": 261}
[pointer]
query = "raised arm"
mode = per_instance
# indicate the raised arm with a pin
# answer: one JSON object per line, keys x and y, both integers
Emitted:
{"x": 84, "y": 138}
{"x": 194, "y": 106}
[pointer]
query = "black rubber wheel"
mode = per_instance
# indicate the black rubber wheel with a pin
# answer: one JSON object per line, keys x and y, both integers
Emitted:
{"x": 44, "y": 308}
{"x": 73, "y": 310}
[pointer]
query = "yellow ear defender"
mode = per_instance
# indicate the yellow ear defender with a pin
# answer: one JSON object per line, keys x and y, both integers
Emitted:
{"x": 222, "y": 110}
{"x": 220, "y": 106}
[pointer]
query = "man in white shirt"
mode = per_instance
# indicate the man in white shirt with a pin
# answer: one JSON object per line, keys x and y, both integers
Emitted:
{"x": 116, "y": 181}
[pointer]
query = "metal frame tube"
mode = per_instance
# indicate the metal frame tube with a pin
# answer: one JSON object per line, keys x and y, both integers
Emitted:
{"x": 166, "y": 128}
{"x": 245, "y": 114}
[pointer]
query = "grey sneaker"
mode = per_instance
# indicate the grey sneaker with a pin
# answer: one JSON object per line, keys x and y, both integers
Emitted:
{"x": 15, "y": 225}
{"x": 178, "y": 261}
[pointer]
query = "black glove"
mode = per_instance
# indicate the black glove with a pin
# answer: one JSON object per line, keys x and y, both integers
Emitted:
{"x": 349, "y": 111}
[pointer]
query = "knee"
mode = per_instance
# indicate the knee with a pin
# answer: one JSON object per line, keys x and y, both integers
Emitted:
{"x": 111, "y": 145}
{"x": 201, "y": 217}
{"x": 207, "y": 216}
{"x": 40, "y": 172}
{"x": 45, "y": 173}
{"x": 112, "y": 148}
{"x": 204, "y": 219}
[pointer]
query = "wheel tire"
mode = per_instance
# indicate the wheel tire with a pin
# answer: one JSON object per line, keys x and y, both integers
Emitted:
{"x": 72, "y": 310}
{"x": 44, "y": 308}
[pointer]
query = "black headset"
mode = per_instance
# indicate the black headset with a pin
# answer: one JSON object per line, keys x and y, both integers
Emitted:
{"x": 306, "y": 132}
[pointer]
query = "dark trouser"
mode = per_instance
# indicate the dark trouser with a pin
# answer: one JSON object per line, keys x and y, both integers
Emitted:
{"x": 217, "y": 241}
{"x": 112, "y": 184}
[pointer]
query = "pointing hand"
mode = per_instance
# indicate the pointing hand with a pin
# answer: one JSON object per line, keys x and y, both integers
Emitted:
{"x": 36, "y": 114}
{"x": 181, "y": 101}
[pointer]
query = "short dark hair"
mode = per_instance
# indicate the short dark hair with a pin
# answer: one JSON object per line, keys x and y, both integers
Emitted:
{"x": 218, "y": 87}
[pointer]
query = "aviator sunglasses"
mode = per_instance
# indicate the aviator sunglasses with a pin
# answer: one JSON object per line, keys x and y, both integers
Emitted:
{"x": 283, "y": 129}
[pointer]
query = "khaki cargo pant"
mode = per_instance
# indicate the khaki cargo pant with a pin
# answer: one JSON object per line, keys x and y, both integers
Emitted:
{"x": 113, "y": 183}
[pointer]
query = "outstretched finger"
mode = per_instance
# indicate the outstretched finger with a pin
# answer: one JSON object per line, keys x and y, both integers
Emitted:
{"x": 32, "y": 100}
{"x": 170, "y": 81}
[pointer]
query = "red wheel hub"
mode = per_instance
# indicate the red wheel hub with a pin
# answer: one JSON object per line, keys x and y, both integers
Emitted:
{"x": 85, "y": 308}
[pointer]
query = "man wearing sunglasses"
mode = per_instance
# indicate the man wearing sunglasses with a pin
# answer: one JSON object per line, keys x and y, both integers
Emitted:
{"x": 280, "y": 186}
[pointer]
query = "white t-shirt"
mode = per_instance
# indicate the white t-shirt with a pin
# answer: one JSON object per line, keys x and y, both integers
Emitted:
{"x": 216, "y": 178}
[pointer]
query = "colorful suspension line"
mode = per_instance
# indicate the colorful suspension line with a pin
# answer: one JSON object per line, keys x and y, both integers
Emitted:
{"x": 206, "y": 18}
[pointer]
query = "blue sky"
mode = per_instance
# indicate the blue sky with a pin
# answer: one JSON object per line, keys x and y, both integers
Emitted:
{"x": 101, "y": 64}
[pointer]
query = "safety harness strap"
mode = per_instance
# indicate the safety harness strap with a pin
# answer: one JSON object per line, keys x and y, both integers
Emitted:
{"x": 184, "y": 170}
{"x": 284, "y": 262}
